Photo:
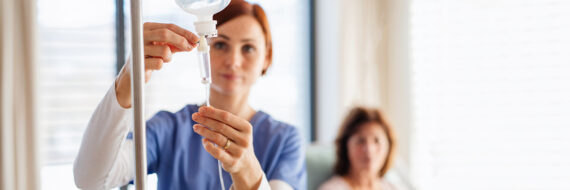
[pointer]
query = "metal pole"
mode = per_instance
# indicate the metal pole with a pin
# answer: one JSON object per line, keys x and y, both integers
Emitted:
{"x": 120, "y": 35}
{"x": 137, "y": 83}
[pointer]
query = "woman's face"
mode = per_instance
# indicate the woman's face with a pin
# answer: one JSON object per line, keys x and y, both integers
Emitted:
{"x": 238, "y": 55}
{"x": 368, "y": 148}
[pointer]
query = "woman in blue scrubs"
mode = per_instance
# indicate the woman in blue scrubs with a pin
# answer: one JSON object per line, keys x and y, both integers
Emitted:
{"x": 256, "y": 151}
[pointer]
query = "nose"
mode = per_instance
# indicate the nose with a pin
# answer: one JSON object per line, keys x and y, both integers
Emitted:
{"x": 368, "y": 147}
{"x": 233, "y": 59}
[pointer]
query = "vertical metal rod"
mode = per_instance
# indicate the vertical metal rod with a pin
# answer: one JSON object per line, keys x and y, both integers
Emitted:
{"x": 137, "y": 83}
{"x": 120, "y": 35}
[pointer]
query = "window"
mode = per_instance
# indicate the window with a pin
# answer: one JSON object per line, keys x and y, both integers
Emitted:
{"x": 285, "y": 92}
{"x": 76, "y": 67}
{"x": 490, "y": 94}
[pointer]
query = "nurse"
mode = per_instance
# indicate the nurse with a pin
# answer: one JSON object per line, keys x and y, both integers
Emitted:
{"x": 256, "y": 151}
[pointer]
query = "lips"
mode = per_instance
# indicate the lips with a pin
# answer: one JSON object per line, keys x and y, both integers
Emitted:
{"x": 230, "y": 76}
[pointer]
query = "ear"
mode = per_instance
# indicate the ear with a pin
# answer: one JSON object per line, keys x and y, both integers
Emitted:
{"x": 266, "y": 65}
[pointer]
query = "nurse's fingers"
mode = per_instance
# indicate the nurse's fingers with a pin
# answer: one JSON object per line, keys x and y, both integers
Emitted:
{"x": 191, "y": 37}
{"x": 173, "y": 49}
{"x": 168, "y": 36}
{"x": 219, "y": 154}
{"x": 228, "y": 131}
{"x": 153, "y": 63}
{"x": 218, "y": 139}
{"x": 226, "y": 117}
{"x": 158, "y": 52}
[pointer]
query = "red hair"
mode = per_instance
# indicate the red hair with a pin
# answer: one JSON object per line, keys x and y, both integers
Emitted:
{"x": 238, "y": 8}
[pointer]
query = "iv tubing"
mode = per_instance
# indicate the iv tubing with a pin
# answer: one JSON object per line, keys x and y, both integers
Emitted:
{"x": 204, "y": 61}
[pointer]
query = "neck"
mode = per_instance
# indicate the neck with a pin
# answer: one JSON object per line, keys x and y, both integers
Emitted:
{"x": 235, "y": 104}
{"x": 362, "y": 180}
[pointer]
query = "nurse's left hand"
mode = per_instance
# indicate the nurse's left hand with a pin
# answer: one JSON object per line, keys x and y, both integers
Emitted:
{"x": 239, "y": 158}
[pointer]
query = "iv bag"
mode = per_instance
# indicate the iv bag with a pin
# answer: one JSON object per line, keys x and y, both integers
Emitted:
{"x": 204, "y": 10}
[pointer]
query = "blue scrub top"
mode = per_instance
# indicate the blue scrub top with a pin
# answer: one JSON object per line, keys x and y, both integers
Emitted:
{"x": 176, "y": 155}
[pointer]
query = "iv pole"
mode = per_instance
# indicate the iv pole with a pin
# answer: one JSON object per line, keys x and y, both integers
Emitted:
{"x": 137, "y": 83}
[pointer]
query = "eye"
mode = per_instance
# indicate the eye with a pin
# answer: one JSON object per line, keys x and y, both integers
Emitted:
{"x": 377, "y": 140}
{"x": 248, "y": 48}
{"x": 220, "y": 45}
{"x": 360, "y": 141}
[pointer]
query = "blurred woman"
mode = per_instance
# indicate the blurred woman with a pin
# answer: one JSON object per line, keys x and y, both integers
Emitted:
{"x": 364, "y": 152}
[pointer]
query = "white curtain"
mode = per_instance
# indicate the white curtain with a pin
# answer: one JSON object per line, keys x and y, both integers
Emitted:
{"x": 18, "y": 157}
{"x": 363, "y": 53}
{"x": 351, "y": 60}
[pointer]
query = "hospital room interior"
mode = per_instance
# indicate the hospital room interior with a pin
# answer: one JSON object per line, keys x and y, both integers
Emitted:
{"x": 295, "y": 94}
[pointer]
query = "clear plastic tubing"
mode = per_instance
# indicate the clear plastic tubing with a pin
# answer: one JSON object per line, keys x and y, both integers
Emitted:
{"x": 204, "y": 64}
{"x": 205, "y": 75}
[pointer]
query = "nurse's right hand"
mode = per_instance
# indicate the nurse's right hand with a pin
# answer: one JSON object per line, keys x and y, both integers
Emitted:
{"x": 160, "y": 42}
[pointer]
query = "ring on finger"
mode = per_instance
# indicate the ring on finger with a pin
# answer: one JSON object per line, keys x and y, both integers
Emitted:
{"x": 228, "y": 143}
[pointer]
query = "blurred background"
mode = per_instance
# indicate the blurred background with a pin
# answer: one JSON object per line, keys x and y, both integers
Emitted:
{"x": 478, "y": 91}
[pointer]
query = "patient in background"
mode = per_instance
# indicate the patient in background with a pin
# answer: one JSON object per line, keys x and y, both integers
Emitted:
{"x": 364, "y": 152}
